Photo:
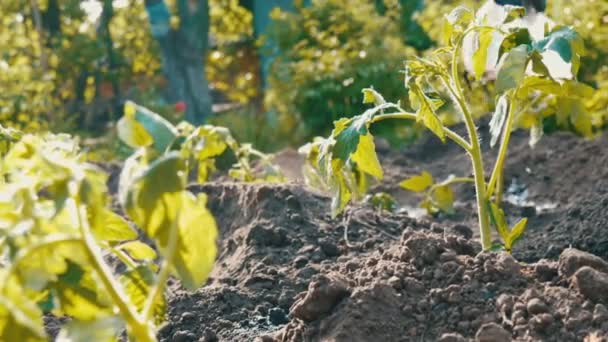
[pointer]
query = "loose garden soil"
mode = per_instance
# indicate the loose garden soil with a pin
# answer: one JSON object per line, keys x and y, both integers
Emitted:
{"x": 287, "y": 271}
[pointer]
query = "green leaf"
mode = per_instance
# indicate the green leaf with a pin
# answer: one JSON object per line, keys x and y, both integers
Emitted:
{"x": 480, "y": 56}
{"x": 418, "y": 183}
{"x": 366, "y": 158}
{"x": 113, "y": 228}
{"x": 564, "y": 40}
{"x": 133, "y": 133}
{"x": 443, "y": 198}
{"x": 137, "y": 284}
{"x": 196, "y": 248}
{"x": 20, "y": 318}
{"x": 372, "y": 96}
{"x": 162, "y": 131}
{"x": 78, "y": 295}
{"x": 102, "y": 330}
{"x": 426, "y": 108}
{"x": 146, "y": 201}
{"x": 517, "y": 36}
{"x": 499, "y": 118}
{"x": 456, "y": 21}
{"x": 538, "y": 66}
{"x": 497, "y": 217}
{"x": 138, "y": 250}
{"x": 515, "y": 234}
{"x": 513, "y": 13}
{"x": 512, "y": 70}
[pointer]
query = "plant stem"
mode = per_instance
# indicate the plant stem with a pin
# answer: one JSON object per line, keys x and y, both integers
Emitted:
{"x": 138, "y": 327}
{"x": 405, "y": 115}
{"x": 496, "y": 177}
{"x": 475, "y": 152}
{"x": 165, "y": 269}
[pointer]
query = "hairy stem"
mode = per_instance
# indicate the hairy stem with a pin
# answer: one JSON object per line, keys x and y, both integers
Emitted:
{"x": 405, "y": 115}
{"x": 165, "y": 269}
{"x": 137, "y": 326}
{"x": 475, "y": 153}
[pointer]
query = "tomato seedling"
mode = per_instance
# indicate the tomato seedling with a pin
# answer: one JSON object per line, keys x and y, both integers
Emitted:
{"x": 526, "y": 92}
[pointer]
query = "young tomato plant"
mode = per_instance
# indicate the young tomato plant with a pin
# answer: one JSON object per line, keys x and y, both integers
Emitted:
{"x": 199, "y": 146}
{"x": 526, "y": 92}
{"x": 57, "y": 233}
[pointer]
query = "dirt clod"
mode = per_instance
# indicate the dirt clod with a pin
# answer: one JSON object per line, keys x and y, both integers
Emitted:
{"x": 492, "y": 332}
{"x": 323, "y": 294}
{"x": 591, "y": 283}
{"x": 571, "y": 260}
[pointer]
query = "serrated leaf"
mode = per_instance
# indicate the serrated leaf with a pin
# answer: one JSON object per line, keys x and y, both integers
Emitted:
{"x": 366, "y": 158}
{"x": 512, "y": 70}
{"x": 103, "y": 330}
{"x": 459, "y": 18}
{"x": 137, "y": 284}
{"x": 138, "y": 250}
{"x": 418, "y": 183}
{"x": 498, "y": 119}
{"x": 480, "y": 56}
{"x": 515, "y": 233}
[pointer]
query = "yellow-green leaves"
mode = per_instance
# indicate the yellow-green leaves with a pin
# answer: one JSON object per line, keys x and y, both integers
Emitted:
{"x": 137, "y": 283}
{"x": 371, "y": 96}
{"x": 426, "y": 110}
{"x": 437, "y": 196}
{"x": 365, "y": 157}
{"x": 102, "y": 330}
{"x": 196, "y": 247}
{"x": 509, "y": 236}
{"x": 138, "y": 250}
{"x": 141, "y": 127}
{"x": 480, "y": 56}
{"x": 455, "y": 23}
{"x": 418, "y": 183}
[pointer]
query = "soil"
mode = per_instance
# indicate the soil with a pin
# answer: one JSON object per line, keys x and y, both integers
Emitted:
{"x": 288, "y": 271}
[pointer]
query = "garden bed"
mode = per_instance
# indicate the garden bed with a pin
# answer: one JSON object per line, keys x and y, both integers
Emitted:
{"x": 287, "y": 271}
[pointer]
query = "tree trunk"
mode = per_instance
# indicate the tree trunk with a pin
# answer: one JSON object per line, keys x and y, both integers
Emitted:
{"x": 183, "y": 54}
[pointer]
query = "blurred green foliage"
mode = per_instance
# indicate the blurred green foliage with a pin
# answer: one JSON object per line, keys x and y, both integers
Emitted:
{"x": 325, "y": 54}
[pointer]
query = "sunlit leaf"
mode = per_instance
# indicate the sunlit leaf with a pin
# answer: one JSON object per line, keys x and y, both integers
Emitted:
{"x": 103, "y": 330}
{"x": 498, "y": 119}
{"x": 418, "y": 183}
{"x": 133, "y": 133}
{"x": 513, "y": 13}
{"x": 516, "y": 233}
{"x": 512, "y": 69}
{"x": 497, "y": 217}
{"x": 480, "y": 56}
{"x": 138, "y": 250}
{"x": 113, "y": 228}
{"x": 197, "y": 246}
{"x": 366, "y": 158}
{"x": 137, "y": 284}
{"x": 161, "y": 131}
{"x": 443, "y": 198}
{"x": 372, "y": 96}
